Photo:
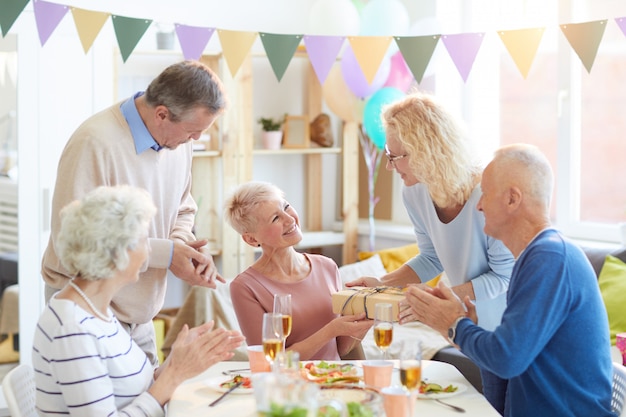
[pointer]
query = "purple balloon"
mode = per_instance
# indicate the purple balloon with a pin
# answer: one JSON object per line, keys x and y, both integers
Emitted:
{"x": 355, "y": 79}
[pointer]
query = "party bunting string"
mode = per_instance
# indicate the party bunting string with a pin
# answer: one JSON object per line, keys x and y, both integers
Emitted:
{"x": 584, "y": 38}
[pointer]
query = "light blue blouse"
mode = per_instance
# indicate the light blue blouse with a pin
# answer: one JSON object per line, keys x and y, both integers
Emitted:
{"x": 462, "y": 249}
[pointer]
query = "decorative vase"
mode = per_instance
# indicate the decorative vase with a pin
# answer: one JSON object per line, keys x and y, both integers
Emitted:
{"x": 272, "y": 140}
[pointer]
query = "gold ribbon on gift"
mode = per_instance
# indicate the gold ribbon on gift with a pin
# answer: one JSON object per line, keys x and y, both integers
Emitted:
{"x": 366, "y": 292}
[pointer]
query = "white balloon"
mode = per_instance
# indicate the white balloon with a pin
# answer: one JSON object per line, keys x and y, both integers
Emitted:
{"x": 425, "y": 26}
{"x": 384, "y": 18}
{"x": 334, "y": 18}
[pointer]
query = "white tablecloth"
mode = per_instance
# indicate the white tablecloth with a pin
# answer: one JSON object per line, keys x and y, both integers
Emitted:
{"x": 192, "y": 398}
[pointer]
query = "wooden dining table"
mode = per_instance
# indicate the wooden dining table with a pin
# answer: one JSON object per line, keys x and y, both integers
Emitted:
{"x": 192, "y": 397}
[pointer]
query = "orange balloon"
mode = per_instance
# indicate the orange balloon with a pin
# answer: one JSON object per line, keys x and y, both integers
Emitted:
{"x": 340, "y": 99}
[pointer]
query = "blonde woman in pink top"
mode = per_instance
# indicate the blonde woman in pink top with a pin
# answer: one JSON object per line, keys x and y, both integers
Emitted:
{"x": 259, "y": 212}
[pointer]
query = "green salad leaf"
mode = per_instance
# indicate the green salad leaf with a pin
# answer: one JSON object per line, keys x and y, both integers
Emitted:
{"x": 277, "y": 410}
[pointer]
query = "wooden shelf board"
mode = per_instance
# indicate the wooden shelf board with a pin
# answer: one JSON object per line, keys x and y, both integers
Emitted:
{"x": 206, "y": 154}
{"x": 297, "y": 151}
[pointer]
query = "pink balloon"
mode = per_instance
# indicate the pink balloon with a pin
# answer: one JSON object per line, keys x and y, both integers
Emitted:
{"x": 354, "y": 78}
{"x": 400, "y": 75}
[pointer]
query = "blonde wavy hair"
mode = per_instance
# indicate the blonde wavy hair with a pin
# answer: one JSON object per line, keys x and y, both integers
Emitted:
{"x": 438, "y": 152}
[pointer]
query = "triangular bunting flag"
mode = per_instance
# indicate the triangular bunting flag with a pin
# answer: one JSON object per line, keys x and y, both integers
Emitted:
{"x": 88, "y": 25}
{"x": 323, "y": 51}
{"x": 235, "y": 47}
{"x": 585, "y": 39}
{"x": 463, "y": 48}
{"x": 279, "y": 50}
{"x": 47, "y": 16}
{"x": 621, "y": 22}
{"x": 417, "y": 52}
{"x": 128, "y": 32}
{"x": 193, "y": 39}
{"x": 11, "y": 10}
{"x": 522, "y": 45}
{"x": 369, "y": 52}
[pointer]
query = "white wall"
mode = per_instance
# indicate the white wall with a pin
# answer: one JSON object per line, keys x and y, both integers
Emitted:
{"x": 56, "y": 91}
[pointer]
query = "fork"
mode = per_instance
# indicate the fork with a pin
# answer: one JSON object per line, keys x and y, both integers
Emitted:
{"x": 235, "y": 371}
{"x": 454, "y": 407}
{"x": 221, "y": 397}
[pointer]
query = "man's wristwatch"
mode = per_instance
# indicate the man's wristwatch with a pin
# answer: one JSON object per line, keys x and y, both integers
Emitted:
{"x": 452, "y": 329}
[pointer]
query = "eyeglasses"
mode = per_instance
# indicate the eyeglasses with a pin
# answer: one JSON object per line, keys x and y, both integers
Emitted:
{"x": 393, "y": 158}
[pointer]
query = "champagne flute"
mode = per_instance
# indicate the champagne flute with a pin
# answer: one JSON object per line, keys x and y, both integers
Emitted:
{"x": 383, "y": 327}
{"x": 282, "y": 305}
{"x": 411, "y": 364}
{"x": 272, "y": 336}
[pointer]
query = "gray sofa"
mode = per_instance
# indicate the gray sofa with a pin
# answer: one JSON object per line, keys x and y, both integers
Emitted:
{"x": 469, "y": 369}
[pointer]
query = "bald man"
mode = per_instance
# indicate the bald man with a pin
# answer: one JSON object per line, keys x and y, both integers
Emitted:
{"x": 553, "y": 341}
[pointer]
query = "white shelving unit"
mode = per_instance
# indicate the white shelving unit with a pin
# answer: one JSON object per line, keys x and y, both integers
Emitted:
{"x": 232, "y": 157}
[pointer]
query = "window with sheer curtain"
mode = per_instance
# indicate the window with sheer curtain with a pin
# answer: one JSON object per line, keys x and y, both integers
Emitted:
{"x": 575, "y": 116}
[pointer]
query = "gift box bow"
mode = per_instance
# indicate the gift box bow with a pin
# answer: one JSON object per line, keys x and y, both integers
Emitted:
{"x": 366, "y": 292}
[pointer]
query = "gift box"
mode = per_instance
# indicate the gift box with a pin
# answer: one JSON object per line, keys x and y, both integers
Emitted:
{"x": 364, "y": 299}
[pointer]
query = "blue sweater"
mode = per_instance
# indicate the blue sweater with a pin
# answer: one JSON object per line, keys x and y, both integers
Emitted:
{"x": 553, "y": 342}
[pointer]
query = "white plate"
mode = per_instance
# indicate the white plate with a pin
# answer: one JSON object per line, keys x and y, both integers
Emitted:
{"x": 349, "y": 393}
{"x": 214, "y": 383}
{"x": 432, "y": 395}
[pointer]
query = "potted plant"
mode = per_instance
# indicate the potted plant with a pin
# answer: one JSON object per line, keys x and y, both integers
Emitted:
{"x": 272, "y": 135}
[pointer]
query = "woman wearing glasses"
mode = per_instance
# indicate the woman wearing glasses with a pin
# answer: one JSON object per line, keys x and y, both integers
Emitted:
{"x": 426, "y": 147}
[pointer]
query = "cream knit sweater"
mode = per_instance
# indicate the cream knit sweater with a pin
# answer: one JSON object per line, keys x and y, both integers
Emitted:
{"x": 102, "y": 152}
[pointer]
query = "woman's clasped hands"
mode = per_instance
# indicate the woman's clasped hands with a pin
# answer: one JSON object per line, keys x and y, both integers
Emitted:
{"x": 193, "y": 352}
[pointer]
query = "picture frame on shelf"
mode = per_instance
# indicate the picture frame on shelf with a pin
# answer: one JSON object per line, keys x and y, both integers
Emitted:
{"x": 296, "y": 132}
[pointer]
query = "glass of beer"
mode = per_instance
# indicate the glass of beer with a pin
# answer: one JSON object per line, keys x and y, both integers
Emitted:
{"x": 272, "y": 336}
{"x": 411, "y": 364}
{"x": 282, "y": 305}
{"x": 383, "y": 327}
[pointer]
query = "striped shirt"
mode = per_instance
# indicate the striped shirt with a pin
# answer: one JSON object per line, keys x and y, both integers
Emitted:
{"x": 87, "y": 367}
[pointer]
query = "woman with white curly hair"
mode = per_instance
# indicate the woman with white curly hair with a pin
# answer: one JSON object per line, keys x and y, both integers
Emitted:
{"x": 85, "y": 362}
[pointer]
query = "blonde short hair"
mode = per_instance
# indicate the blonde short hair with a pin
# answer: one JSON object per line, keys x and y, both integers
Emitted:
{"x": 240, "y": 206}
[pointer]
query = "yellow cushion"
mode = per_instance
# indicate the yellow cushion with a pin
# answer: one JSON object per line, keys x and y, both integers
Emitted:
{"x": 612, "y": 281}
{"x": 7, "y": 353}
{"x": 394, "y": 258}
{"x": 159, "y": 330}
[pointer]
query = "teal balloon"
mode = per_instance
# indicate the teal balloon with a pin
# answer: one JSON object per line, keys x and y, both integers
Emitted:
{"x": 372, "y": 113}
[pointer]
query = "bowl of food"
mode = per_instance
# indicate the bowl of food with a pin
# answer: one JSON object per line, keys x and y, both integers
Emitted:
{"x": 360, "y": 401}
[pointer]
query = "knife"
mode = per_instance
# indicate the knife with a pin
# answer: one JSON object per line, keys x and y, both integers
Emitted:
{"x": 221, "y": 397}
{"x": 235, "y": 371}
